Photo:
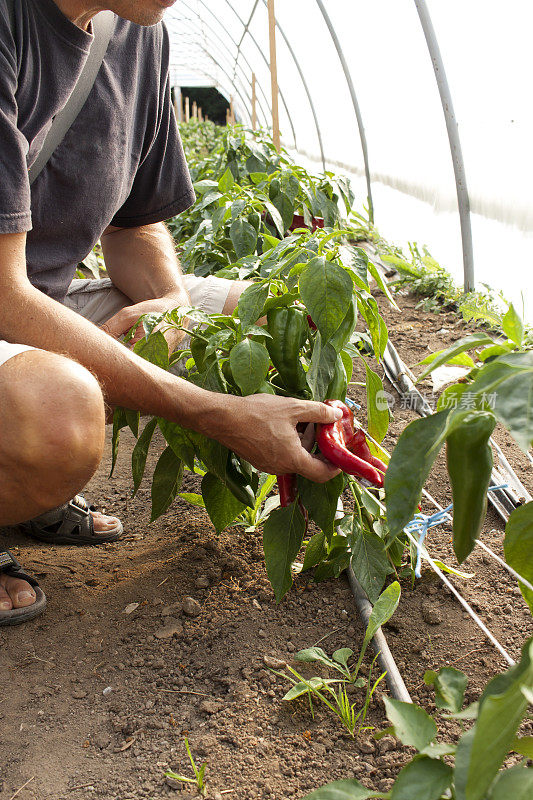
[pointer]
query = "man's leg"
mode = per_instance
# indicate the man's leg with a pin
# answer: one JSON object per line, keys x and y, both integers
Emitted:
{"x": 51, "y": 442}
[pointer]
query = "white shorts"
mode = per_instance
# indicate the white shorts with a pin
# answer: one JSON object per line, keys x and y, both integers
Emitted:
{"x": 99, "y": 300}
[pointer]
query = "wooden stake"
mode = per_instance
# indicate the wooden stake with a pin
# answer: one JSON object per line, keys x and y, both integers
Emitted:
{"x": 200, "y": 115}
{"x": 178, "y": 106}
{"x": 227, "y": 117}
{"x": 254, "y": 103}
{"x": 195, "y": 109}
{"x": 187, "y": 109}
{"x": 232, "y": 111}
{"x": 274, "y": 75}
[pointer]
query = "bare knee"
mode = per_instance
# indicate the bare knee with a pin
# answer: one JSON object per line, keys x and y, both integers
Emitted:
{"x": 235, "y": 291}
{"x": 52, "y": 425}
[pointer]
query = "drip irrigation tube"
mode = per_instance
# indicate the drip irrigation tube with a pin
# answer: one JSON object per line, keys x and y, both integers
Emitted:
{"x": 385, "y": 658}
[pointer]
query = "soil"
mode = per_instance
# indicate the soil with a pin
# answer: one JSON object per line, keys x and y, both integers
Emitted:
{"x": 98, "y": 694}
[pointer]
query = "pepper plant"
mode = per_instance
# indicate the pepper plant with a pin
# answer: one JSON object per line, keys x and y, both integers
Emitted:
{"x": 497, "y": 388}
{"x": 306, "y": 350}
{"x": 472, "y": 769}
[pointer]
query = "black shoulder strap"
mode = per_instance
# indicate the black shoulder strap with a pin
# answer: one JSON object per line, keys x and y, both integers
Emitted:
{"x": 103, "y": 26}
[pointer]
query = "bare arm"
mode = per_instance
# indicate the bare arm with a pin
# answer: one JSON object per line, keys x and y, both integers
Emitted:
{"x": 142, "y": 263}
{"x": 261, "y": 428}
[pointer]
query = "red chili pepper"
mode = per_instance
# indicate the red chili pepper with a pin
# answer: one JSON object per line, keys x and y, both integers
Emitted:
{"x": 311, "y": 323}
{"x": 333, "y": 439}
{"x": 359, "y": 446}
{"x": 287, "y": 489}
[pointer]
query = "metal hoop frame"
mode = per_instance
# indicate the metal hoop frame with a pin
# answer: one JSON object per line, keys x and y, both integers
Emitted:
{"x": 463, "y": 199}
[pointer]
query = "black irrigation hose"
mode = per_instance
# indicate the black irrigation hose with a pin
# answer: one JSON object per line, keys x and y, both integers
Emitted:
{"x": 386, "y": 660}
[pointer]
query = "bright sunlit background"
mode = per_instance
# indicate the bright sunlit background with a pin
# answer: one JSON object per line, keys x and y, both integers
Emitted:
{"x": 488, "y": 60}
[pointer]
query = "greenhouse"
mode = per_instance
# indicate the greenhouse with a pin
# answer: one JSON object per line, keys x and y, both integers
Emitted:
{"x": 266, "y": 429}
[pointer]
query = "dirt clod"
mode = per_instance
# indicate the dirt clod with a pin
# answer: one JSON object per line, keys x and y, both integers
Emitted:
{"x": 431, "y": 613}
{"x": 170, "y": 630}
{"x": 191, "y": 607}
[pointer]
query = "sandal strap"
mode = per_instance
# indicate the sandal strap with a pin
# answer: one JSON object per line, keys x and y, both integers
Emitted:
{"x": 74, "y": 518}
{"x": 10, "y": 566}
{"x": 78, "y": 501}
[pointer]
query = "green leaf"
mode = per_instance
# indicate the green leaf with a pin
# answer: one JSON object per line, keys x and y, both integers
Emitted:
{"x": 375, "y": 324}
{"x": 223, "y": 508}
{"x": 140, "y": 453}
{"x": 342, "y": 790}
{"x": 276, "y": 218}
{"x": 153, "y": 349}
{"x": 423, "y": 778}
{"x": 120, "y": 421}
{"x": 412, "y": 725}
{"x": 506, "y": 387}
{"x": 513, "y": 784}
{"x": 166, "y": 481}
{"x": 133, "y": 418}
{"x": 249, "y": 362}
{"x": 326, "y": 289}
{"x": 283, "y": 533}
{"x": 321, "y": 369}
{"x": 444, "y": 356}
{"x": 523, "y": 745}
{"x": 212, "y": 454}
{"x": 285, "y": 207}
{"x": 205, "y": 187}
{"x": 343, "y": 656}
{"x": 369, "y": 561}
{"x": 179, "y": 441}
{"x": 450, "y": 685}
{"x": 384, "y": 608}
{"x": 482, "y": 750}
{"x": 518, "y": 547}
{"x": 193, "y": 498}
{"x": 315, "y": 551}
{"x": 381, "y": 283}
{"x": 211, "y": 378}
{"x": 251, "y": 304}
{"x": 513, "y": 326}
{"x": 226, "y": 181}
{"x": 343, "y": 334}
{"x": 244, "y": 237}
{"x": 409, "y": 467}
{"x": 321, "y": 500}
{"x": 302, "y": 687}
{"x": 377, "y": 413}
{"x": 312, "y": 654}
{"x": 462, "y": 360}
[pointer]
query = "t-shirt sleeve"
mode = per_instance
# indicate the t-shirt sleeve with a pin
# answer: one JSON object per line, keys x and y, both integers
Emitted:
{"x": 162, "y": 186}
{"x": 15, "y": 202}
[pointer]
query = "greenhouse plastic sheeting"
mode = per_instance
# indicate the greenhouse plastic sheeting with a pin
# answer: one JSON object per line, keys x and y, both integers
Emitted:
{"x": 487, "y": 56}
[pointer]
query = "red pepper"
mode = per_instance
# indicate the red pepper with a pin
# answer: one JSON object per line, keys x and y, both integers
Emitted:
{"x": 359, "y": 446}
{"x": 333, "y": 439}
{"x": 311, "y": 323}
{"x": 287, "y": 489}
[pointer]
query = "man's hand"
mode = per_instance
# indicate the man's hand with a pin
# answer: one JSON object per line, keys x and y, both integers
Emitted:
{"x": 262, "y": 429}
{"x": 125, "y": 319}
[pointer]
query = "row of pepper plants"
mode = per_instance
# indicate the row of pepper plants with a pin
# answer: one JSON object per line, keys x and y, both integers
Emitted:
{"x": 263, "y": 218}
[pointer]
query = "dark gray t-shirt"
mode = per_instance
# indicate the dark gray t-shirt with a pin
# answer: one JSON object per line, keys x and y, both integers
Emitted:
{"x": 121, "y": 163}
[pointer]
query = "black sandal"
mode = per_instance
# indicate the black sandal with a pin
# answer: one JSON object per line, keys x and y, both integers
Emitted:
{"x": 15, "y": 616}
{"x": 71, "y": 523}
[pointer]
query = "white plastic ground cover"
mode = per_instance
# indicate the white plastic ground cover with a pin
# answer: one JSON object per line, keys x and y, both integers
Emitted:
{"x": 486, "y": 52}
